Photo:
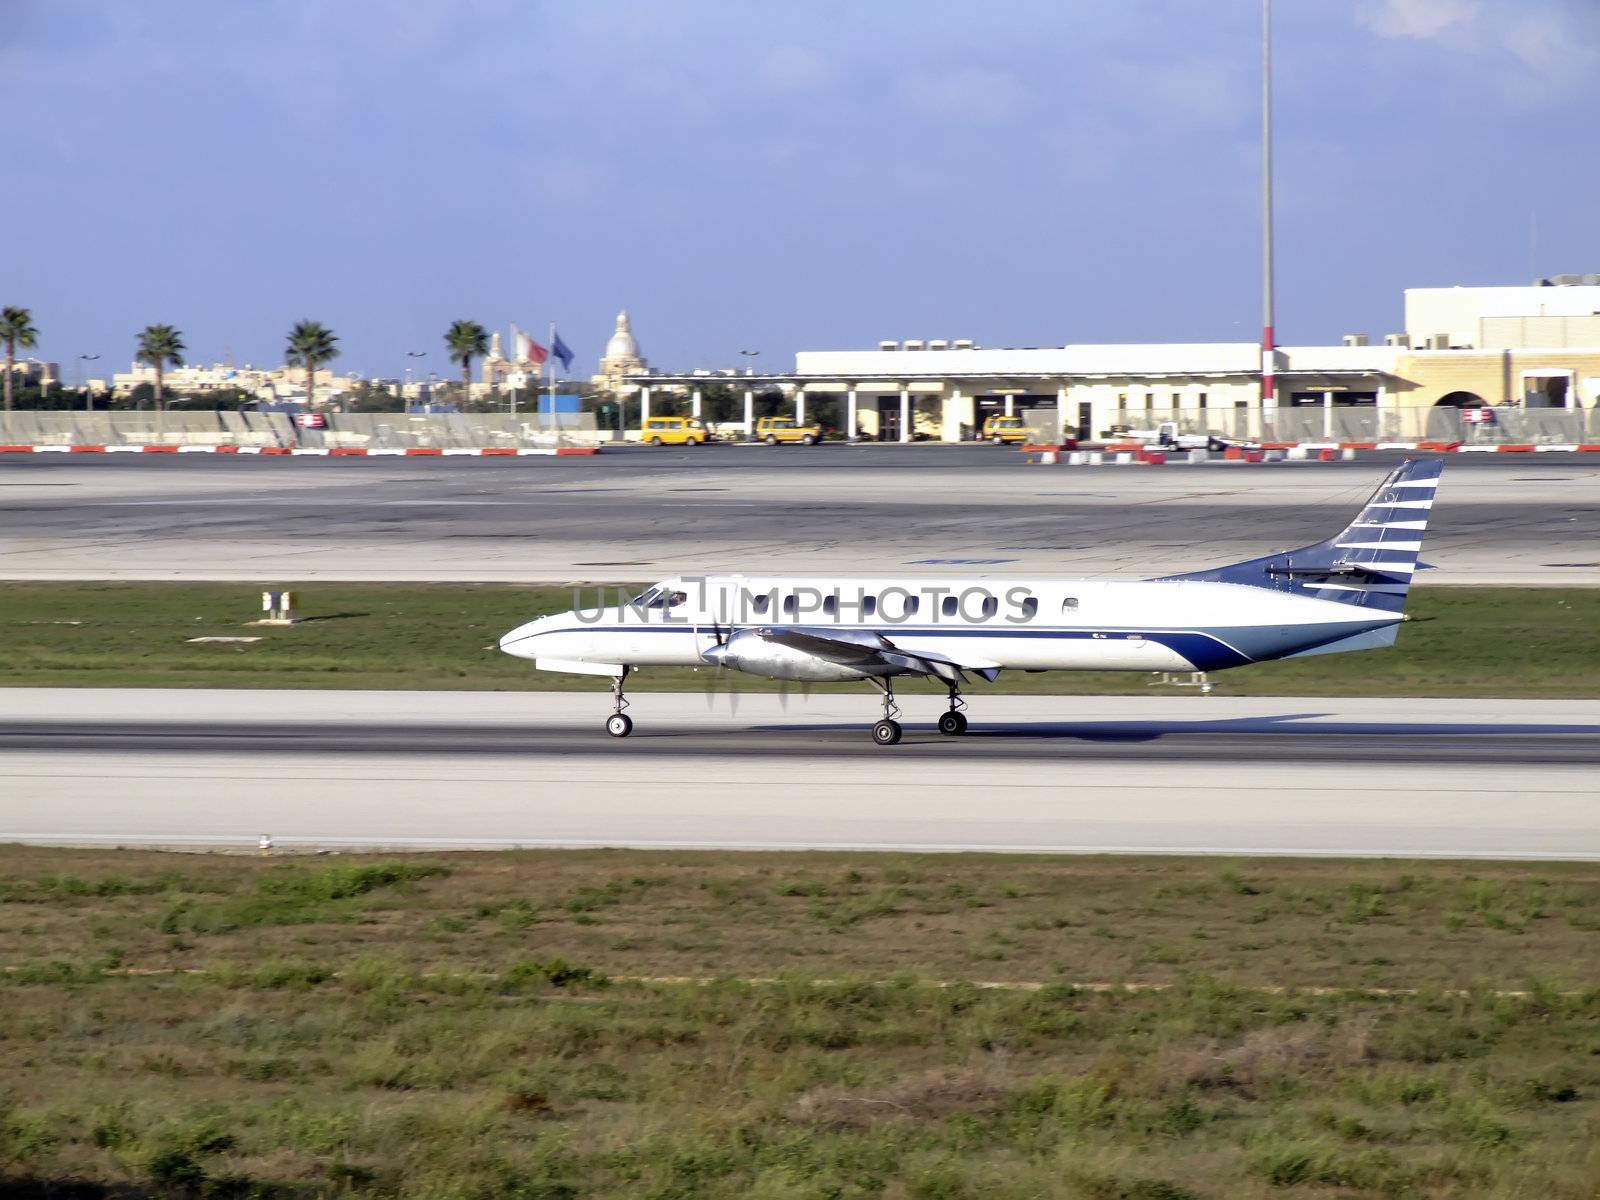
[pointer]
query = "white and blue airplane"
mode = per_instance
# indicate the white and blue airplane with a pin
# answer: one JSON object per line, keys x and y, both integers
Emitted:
{"x": 1347, "y": 593}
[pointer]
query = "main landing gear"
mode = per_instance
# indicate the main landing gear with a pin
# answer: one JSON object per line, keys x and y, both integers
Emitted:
{"x": 954, "y": 722}
{"x": 619, "y": 724}
{"x": 887, "y": 731}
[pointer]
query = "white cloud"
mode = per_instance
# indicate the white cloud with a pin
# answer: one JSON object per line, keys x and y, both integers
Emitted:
{"x": 795, "y": 69}
{"x": 1546, "y": 48}
{"x": 1420, "y": 18}
{"x": 1557, "y": 36}
{"x": 975, "y": 94}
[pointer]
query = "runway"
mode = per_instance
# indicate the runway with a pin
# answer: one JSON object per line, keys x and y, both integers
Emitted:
{"x": 640, "y": 514}
{"x": 1159, "y": 774}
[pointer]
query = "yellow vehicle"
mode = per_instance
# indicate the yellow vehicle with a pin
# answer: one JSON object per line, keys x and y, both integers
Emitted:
{"x": 674, "y": 431}
{"x": 1002, "y": 429}
{"x": 773, "y": 430}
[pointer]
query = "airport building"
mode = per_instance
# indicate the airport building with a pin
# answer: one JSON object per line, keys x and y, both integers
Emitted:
{"x": 1532, "y": 354}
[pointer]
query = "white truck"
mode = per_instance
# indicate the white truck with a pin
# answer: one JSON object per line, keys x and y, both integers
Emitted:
{"x": 1165, "y": 436}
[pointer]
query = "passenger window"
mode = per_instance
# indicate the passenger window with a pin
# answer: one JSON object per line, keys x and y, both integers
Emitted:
{"x": 869, "y": 605}
{"x": 758, "y": 604}
{"x": 830, "y": 606}
{"x": 913, "y": 605}
{"x": 789, "y": 605}
{"x": 1030, "y": 608}
{"x": 1070, "y": 604}
{"x": 990, "y": 607}
{"x": 949, "y": 606}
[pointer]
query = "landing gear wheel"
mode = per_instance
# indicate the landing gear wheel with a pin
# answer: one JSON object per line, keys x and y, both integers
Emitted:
{"x": 953, "y": 724}
{"x": 619, "y": 725}
{"x": 886, "y": 732}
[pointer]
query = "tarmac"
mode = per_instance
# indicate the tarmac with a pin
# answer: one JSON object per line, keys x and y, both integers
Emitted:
{"x": 639, "y": 514}
{"x": 1158, "y": 774}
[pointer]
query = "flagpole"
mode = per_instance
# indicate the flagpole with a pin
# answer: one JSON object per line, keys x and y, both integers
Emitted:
{"x": 551, "y": 362}
{"x": 513, "y": 352}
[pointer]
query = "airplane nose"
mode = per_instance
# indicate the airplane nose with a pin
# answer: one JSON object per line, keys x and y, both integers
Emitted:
{"x": 514, "y": 641}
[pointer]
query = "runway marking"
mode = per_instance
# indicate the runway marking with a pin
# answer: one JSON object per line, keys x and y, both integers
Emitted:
{"x": 492, "y": 843}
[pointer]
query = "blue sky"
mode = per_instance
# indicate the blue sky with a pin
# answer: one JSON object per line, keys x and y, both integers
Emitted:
{"x": 781, "y": 177}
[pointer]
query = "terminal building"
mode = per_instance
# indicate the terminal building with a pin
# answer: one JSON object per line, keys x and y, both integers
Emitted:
{"x": 1530, "y": 353}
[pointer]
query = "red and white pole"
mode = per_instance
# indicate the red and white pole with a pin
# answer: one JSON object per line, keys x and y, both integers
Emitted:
{"x": 1269, "y": 391}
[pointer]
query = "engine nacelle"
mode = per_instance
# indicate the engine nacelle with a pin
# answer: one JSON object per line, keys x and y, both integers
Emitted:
{"x": 747, "y": 651}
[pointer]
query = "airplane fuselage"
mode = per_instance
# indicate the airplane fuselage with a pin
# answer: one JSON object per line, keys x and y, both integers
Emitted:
{"x": 998, "y": 624}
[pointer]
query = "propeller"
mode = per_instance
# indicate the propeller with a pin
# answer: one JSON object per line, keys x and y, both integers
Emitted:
{"x": 719, "y": 679}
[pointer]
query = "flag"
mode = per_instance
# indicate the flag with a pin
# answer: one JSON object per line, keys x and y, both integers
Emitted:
{"x": 536, "y": 354}
{"x": 561, "y": 350}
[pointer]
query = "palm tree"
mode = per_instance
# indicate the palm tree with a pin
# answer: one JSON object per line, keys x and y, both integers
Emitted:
{"x": 16, "y": 327}
{"x": 161, "y": 346}
{"x": 466, "y": 340}
{"x": 311, "y": 344}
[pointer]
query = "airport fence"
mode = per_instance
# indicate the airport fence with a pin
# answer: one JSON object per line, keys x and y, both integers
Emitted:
{"x": 260, "y": 430}
{"x": 1505, "y": 426}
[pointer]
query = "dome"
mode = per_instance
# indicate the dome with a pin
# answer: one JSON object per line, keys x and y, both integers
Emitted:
{"x": 622, "y": 344}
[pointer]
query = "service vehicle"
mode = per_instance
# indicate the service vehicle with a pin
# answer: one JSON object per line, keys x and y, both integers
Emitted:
{"x": 674, "y": 431}
{"x": 1165, "y": 436}
{"x": 773, "y": 430}
{"x": 1001, "y": 429}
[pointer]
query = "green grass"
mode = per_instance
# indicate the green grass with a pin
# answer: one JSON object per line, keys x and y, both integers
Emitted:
{"x": 480, "y": 1026}
{"x": 1511, "y": 642}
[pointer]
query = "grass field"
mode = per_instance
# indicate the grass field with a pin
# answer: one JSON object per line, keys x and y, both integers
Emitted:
{"x": 502, "y": 1025}
{"x": 1510, "y": 642}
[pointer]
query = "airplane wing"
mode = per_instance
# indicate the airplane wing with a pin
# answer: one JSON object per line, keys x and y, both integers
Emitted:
{"x": 850, "y": 647}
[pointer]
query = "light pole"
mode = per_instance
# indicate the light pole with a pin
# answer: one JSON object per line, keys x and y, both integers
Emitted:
{"x": 83, "y": 373}
{"x": 410, "y": 354}
{"x": 1269, "y": 390}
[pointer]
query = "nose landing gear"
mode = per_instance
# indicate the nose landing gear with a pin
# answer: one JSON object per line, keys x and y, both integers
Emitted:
{"x": 619, "y": 724}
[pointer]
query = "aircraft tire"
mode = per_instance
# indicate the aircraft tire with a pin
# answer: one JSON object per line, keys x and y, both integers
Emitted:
{"x": 886, "y": 733}
{"x": 619, "y": 725}
{"x": 953, "y": 724}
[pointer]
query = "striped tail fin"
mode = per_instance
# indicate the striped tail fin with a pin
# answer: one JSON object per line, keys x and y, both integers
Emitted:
{"x": 1370, "y": 563}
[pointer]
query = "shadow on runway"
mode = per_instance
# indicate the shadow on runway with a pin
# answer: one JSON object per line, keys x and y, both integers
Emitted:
{"x": 1298, "y": 725}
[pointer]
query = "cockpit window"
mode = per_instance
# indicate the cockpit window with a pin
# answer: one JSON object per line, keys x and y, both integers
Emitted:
{"x": 659, "y": 598}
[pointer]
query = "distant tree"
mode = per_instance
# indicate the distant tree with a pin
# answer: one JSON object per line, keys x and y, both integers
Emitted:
{"x": 16, "y": 328}
{"x": 310, "y": 345}
{"x": 370, "y": 397}
{"x": 161, "y": 346}
{"x": 466, "y": 340}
